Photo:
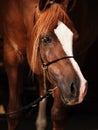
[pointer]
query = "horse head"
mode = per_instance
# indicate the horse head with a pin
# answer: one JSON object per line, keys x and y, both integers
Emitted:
{"x": 51, "y": 48}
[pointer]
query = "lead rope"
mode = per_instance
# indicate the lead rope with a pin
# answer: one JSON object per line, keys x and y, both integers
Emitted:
{"x": 34, "y": 103}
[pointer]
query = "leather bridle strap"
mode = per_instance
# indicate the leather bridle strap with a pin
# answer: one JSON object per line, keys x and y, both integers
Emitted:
{"x": 45, "y": 65}
{"x": 51, "y": 62}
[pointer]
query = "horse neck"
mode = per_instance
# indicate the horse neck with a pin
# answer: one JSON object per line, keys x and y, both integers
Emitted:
{"x": 28, "y": 8}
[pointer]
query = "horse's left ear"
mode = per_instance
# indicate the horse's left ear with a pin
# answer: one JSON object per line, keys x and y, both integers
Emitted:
{"x": 69, "y": 4}
{"x": 43, "y": 4}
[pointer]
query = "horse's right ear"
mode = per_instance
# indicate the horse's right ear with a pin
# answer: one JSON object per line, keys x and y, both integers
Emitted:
{"x": 43, "y": 4}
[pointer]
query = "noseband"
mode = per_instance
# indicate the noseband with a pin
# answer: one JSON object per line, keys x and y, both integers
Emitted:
{"x": 51, "y": 62}
{"x": 45, "y": 65}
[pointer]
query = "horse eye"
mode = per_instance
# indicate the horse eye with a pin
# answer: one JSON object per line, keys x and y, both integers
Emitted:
{"x": 46, "y": 39}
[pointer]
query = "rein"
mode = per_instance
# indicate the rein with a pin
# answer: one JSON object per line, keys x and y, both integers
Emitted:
{"x": 32, "y": 104}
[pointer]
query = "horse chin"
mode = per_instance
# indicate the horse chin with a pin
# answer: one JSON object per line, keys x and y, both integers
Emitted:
{"x": 72, "y": 102}
{"x": 69, "y": 102}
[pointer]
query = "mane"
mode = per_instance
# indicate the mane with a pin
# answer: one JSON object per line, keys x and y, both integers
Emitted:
{"x": 46, "y": 22}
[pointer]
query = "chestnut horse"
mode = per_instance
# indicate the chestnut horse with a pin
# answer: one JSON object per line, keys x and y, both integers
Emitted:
{"x": 41, "y": 33}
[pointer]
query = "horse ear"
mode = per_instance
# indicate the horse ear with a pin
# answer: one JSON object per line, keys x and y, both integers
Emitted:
{"x": 43, "y": 4}
{"x": 69, "y": 4}
{"x": 65, "y": 3}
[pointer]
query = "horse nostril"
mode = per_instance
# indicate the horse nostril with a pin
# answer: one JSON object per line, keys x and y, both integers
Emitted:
{"x": 73, "y": 90}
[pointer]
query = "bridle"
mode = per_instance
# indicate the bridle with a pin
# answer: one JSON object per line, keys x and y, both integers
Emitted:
{"x": 56, "y": 60}
{"x": 45, "y": 65}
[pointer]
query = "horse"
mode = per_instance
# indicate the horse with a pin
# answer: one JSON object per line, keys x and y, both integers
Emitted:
{"x": 41, "y": 33}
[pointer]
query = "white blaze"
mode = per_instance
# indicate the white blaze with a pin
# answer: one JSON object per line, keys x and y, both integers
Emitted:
{"x": 65, "y": 36}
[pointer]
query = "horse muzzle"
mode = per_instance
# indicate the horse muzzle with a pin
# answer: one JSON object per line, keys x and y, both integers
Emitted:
{"x": 75, "y": 97}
